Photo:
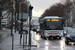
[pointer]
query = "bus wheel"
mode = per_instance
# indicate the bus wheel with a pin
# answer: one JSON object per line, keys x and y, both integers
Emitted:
{"x": 59, "y": 37}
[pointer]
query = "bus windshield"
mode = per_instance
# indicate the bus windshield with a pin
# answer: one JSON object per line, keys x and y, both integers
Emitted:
{"x": 54, "y": 25}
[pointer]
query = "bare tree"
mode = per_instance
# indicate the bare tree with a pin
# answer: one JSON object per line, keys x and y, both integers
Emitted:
{"x": 4, "y": 5}
{"x": 61, "y": 10}
{"x": 55, "y": 10}
{"x": 7, "y": 5}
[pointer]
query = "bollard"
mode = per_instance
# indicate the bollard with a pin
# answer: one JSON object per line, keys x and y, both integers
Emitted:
{"x": 13, "y": 39}
{"x": 20, "y": 38}
{"x": 23, "y": 40}
{"x": 26, "y": 38}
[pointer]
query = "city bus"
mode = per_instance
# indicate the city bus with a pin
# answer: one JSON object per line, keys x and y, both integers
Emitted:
{"x": 51, "y": 26}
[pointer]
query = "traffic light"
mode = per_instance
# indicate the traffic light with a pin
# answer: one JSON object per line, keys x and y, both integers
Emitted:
{"x": 30, "y": 18}
{"x": 30, "y": 10}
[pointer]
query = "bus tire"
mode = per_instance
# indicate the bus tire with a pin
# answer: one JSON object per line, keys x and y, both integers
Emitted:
{"x": 59, "y": 37}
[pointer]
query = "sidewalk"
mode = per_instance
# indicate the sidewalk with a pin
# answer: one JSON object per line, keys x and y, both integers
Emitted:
{"x": 4, "y": 34}
{"x": 7, "y": 43}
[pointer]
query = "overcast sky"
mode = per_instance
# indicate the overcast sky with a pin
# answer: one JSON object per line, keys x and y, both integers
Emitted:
{"x": 41, "y": 5}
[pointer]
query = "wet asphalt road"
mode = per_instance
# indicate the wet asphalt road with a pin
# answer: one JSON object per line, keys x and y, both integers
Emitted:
{"x": 4, "y": 34}
{"x": 51, "y": 44}
{"x": 42, "y": 44}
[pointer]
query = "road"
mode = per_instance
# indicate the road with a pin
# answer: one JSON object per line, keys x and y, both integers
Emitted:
{"x": 4, "y": 34}
{"x": 51, "y": 44}
{"x": 42, "y": 44}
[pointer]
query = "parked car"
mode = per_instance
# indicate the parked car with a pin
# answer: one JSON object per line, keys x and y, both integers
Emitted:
{"x": 34, "y": 29}
{"x": 70, "y": 36}
{"x": 38, "y": 29}
{"x": 35, "y": 26}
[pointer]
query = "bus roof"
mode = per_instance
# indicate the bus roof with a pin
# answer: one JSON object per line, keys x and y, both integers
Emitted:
{"x": 52, "y": 17}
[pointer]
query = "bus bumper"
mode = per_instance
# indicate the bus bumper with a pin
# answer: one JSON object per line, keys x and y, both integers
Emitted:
{"x": 47, "y": 35}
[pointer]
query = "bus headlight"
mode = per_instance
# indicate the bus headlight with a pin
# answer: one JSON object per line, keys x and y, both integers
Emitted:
{"x": 37, "y": 29}
{"x": 60, "y": 32}
{"x": 46, "y": 32}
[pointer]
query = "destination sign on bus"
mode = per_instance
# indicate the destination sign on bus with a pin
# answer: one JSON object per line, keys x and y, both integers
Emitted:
{"x": 52, "y": 19}
{"x": 48, "y": 19}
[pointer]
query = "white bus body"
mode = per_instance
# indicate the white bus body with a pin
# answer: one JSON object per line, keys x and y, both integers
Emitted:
{"x": 51, "y": 26}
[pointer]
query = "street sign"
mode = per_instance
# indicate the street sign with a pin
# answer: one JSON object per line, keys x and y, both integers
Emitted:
{"x": 25, "y": 15}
